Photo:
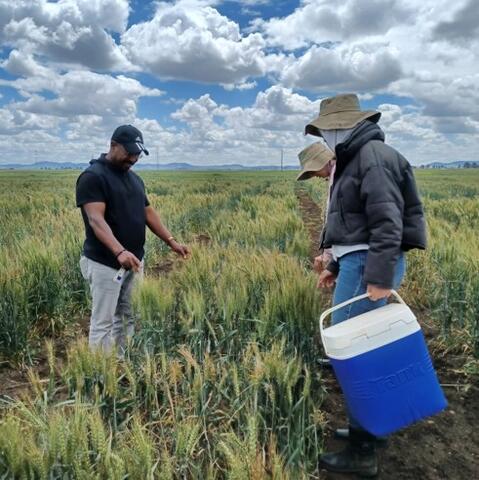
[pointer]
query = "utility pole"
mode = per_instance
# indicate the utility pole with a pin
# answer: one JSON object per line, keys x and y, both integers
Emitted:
{"x": 157, "y": 158}
{"x": 282, "y": 155}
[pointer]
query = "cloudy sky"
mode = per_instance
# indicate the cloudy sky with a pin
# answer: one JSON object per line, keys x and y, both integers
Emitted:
{"x": 234, "y": 81}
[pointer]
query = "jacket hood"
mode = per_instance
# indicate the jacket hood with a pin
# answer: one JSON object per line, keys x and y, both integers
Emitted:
{"x": 362, "y": 134}
{"x": 100, "y": 159}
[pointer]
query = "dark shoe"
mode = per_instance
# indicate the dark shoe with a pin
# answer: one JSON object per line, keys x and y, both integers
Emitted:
{"x": 350, "y": 461}
{"x": 358, "y": 457}
{"x": 343, "y": 434}
{"x": 324, "y": 362}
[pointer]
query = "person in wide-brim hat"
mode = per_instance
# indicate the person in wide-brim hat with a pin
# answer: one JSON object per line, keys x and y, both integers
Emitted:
{"x": 315, "y": 161}
{"x": 374, "y": 217}
{"x": 340, "y": 113}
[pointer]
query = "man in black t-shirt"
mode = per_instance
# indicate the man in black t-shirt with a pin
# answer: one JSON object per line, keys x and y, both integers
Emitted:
{"x": 116, "y": 211}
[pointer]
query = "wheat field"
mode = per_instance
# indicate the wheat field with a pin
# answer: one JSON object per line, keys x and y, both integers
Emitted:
{"x": 221, "y": 380}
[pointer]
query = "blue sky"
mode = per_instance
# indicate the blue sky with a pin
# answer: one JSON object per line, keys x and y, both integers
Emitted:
{"x": 234, "y": 81}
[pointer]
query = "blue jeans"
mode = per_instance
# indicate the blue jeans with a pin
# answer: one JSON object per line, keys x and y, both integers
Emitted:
{"x": 350, "y": 283}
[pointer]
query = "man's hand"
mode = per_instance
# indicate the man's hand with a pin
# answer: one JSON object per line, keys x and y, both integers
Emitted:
{"x": 376, "y": 293}
{"x": 180, "y": 249}
{"x": 129, "y": 261}
{"x": 326, "y": 279}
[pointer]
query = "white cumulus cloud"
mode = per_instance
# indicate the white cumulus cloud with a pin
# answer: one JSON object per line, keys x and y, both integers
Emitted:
{"x": 67, "y": 31}
{"x": 360, "y": 67}
{"x": 191, "y": 41}
{"x": 320, "y": 21}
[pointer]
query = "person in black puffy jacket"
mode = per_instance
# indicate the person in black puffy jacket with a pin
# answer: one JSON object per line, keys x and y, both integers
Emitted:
{"x": 374, "y": 216}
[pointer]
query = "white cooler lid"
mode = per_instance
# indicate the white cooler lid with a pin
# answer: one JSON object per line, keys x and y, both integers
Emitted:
{"x": 369, "y": 330}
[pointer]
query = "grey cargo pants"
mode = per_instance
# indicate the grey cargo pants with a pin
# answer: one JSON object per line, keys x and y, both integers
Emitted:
{"x": 112, "y": 319}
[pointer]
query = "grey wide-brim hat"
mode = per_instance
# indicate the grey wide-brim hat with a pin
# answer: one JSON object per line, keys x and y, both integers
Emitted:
{"x": 312, "y": 159}
{"x": 339, "y": 113}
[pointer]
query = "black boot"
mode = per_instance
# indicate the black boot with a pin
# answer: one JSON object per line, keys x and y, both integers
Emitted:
{"x": 358, "y": 457}
{"x": 324, "y": 362}
{"x": 343, "y": 434}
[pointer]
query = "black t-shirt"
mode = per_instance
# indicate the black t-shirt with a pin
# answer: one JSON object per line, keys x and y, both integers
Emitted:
{"x": 123, "y": 192}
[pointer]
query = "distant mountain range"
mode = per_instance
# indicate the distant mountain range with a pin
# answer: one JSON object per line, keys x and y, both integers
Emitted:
{"x": 142, "y": 166}
{"x": 459, "y": 164}
{"x": 187, "y": 166}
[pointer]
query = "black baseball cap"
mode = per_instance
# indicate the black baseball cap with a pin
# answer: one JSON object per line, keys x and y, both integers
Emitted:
{"x": 131, "y": 138}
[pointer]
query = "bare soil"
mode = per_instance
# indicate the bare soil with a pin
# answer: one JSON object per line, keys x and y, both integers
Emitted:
{"x": 168, "y": 264}
{"x": 312, "y": 215}
{"x": 203, "y": 239}
{"x": 162, "y": 268}
{"x": 13, "y": 381}
{"x": 443, "y": 447}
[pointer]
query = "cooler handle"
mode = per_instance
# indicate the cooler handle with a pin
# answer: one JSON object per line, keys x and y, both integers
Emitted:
{"x": 347, "y": 302}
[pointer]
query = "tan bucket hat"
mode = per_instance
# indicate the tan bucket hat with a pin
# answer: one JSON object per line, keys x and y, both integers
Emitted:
{"x": 338, "y": 113}
{"x": 312, "y": 159}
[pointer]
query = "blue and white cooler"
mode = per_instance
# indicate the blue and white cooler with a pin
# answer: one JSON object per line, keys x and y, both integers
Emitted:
{"x": 383, "y": 366}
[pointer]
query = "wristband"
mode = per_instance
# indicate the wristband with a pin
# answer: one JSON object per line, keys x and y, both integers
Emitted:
{"x": 119, "y": 253}
{"x": 169, "y": 239}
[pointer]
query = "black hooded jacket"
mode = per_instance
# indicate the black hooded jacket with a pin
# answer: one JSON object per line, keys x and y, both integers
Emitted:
{"x": 123, "y": 194}
{"x": 374, "y": 200}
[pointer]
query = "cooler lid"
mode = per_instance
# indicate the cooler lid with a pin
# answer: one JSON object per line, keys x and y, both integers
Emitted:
{"x": 369, "y": 330}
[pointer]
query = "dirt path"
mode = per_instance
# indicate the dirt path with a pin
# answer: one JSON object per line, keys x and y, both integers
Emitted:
{"x": 312, "y": 216}
{"x": 444, "y": 447}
